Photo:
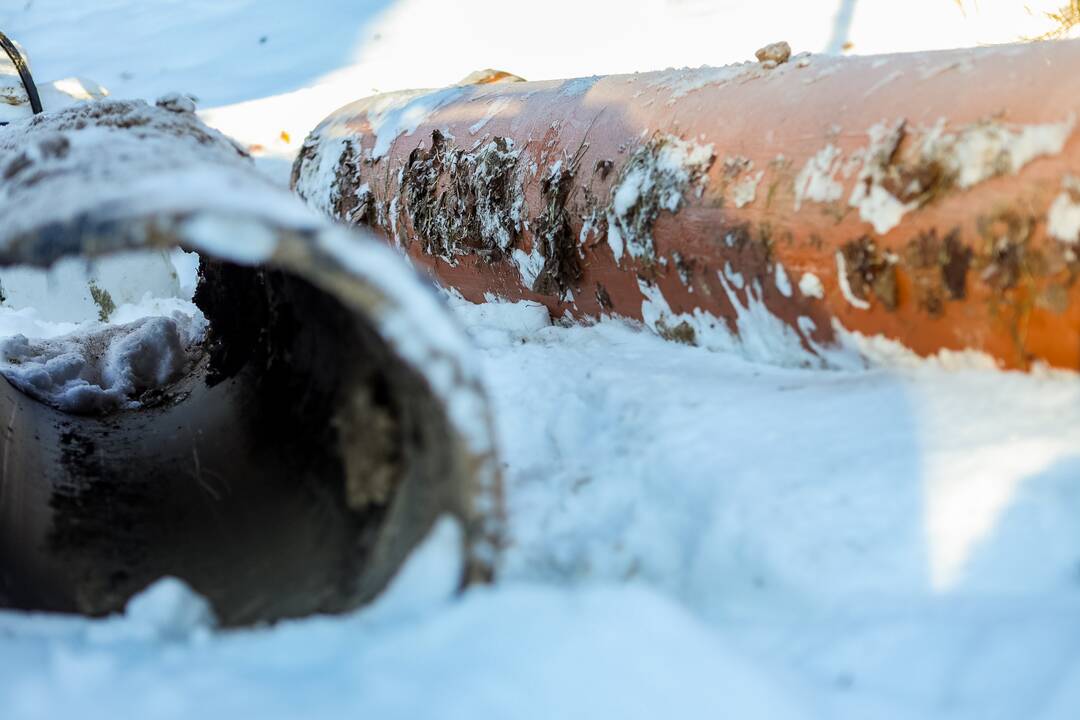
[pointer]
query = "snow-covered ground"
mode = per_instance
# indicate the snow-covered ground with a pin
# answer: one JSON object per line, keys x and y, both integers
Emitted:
{"x": 692, "y": 534}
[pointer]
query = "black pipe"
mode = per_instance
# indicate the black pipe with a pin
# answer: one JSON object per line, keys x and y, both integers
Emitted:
{"x": 24, "y": 72}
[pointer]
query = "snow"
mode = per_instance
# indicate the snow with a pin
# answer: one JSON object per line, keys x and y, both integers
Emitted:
{"x": 692, "y": 532}
{"x": 168, "y": 610}
{"x": 978, "y": 152}
{"x": 103, "y": 368}
{"x": 783, "y": 284}
{"x": 402, "y": 114}
{"x": 810, "y": 286}
{"x": 744, "y": 190}
{"x": 1063, "y": 217}
{"x": 816, "y": 180}
{"x": 971, "y": 154}
{"x": 845, "y": 286}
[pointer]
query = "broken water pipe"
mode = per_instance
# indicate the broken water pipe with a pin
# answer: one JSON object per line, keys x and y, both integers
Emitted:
{"x": 280, "y": 435}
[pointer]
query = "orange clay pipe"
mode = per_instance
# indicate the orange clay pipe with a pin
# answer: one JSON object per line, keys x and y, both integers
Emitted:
{"x": 932, "y": 198}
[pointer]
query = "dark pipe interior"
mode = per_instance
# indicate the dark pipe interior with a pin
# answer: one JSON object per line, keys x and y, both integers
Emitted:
{"x": 235, "y": 480}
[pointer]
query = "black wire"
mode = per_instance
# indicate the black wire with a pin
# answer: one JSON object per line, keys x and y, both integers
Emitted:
{"x": 24, "y": 72}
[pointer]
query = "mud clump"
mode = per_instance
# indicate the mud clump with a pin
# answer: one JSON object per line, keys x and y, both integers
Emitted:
{"x": 682, "y": 333}
{"x": 773, "y": 54}
{"x": 1008, "y": 258}
{"x": 353, "y": 201}
{"x": 654, "y": 179}
{"x": 461, "y": 202}
{"x": 870, "y": 272}
{"x": 553, "y": 232}
{"x": 938, "y": 269}
{"x": 603, "y": 299}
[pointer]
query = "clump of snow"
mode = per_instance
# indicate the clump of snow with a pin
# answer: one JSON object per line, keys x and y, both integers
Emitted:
{"x": 171, "y": 611}
{"x": 810, "y": 286}
{"x": 1063, "y": 217}
{"x": 176, "y": 102}
{"x": 816, "y": 180}
{"x": 745, "y": 189}
{"x": 105, "y": 368}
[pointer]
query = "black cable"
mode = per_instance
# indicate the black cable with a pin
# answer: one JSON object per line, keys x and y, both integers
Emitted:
{"x": 24, "y": 72}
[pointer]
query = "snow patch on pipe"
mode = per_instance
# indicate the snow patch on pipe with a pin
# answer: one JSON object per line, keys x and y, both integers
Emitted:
{"x": 782, "y": 282}
{"x": 654, "y": 178}
{"x": 683, "y": 81}
{"x": 494, "y": 108}
{"x": 744, "y": 191}
{"x": 759, "y": 336}
{"x": 985, "y": 150}
{"x": 401, "y": 113}
{"x": 845, "y": 286}
{"x": 895, "y": 179}
{"x": 1063, "y": 218}
{"x": 528, "y": 264}
{"x": 810, "y": 286}
{"x": 816, "y": 180}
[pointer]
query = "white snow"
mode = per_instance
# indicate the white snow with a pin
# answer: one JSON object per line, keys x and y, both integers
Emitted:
{"x": 745, "y": 189}
{"x": 810, "y": 286}
{"x": 168, "y": 610}
{"x": 401, "y": 114}
{"x": 980, "y": 151}
{"x": 103, "y": 368}
{"x": 783, "y": 284}
{"x": 845, "y": 286}
{"x": 816, "y": 180}
{"x": 1063, "y": 216}
{"x": 692, "y": 533}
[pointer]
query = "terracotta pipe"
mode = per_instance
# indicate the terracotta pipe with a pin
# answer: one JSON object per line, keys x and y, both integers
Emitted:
{"x": 931, "y": 198}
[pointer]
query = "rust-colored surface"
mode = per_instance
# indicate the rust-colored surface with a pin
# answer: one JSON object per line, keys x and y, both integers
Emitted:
{"x": 930, "y": 195}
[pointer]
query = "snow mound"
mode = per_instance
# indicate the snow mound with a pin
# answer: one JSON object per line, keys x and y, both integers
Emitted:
{"x": 101, "y": 369}
{"x": 170, "y": 610}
